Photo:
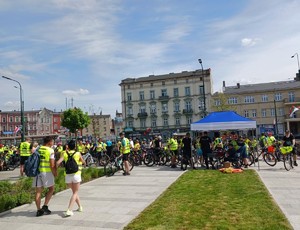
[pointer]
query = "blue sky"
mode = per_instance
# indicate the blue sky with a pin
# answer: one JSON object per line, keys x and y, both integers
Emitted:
{"x": 60, "y": 49}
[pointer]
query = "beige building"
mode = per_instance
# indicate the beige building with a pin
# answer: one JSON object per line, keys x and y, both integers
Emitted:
{"x": 266, "y": 103}
{"x": 100, "y": 126}
{"x": 164, "y": 104}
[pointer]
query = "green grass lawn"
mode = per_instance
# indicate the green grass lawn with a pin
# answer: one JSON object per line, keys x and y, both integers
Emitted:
{"x": 207, "y": 199}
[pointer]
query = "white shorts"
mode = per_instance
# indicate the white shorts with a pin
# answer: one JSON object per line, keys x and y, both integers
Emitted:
{"x": 44, "y": 179}
{"x": 73, "y": 178}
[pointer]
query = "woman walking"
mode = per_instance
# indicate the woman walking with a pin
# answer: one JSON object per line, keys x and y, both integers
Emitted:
{"x": 72, "y": 180}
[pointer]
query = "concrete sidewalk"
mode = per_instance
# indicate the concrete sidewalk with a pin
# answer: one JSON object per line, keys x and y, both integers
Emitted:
{"x": 284, "y": 187}
{"x": 108, "y": 202}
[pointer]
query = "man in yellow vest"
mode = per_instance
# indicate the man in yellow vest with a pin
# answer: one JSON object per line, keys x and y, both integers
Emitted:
{"x": 24, "y": 151}
{"x": 125, "y": 150}
{"x": 173, "y": 146}
{"x": 46, "y": 177}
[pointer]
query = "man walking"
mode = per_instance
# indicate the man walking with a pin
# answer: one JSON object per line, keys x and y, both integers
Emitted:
{"x": 46, "y": 177}
{"x": 187, "y": 152}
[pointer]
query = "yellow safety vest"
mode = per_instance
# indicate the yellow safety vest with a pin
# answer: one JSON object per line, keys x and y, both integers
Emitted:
{"x": 173, "y": 145}
{"x": 125, "y": 149}
{"x": 25, "y": 149}
{"x": 45, "y": 153}
{"x": 76, "y": 157}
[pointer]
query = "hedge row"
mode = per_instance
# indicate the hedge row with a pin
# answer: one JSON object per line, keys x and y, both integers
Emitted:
{"x": 15, "y": 194}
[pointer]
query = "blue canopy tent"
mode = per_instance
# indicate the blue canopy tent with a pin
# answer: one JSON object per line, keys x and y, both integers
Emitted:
{"x": 224, "y": 120}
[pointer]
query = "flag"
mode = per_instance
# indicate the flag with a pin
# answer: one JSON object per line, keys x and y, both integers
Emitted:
{"x": 293, "y": 110}
{"x": 17, "y": 129}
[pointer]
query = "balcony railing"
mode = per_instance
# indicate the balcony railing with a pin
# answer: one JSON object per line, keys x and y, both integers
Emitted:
{"x": 187, "y": 111}
{"x": 163, "y": 98}
{"x": 295, "y": 100}
{"x": 144, "y": 114}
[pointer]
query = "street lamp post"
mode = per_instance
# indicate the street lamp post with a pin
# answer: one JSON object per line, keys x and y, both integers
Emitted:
{"x": 21, "y": 107}
{"x": 204, "y": 100}
{"x": 296, "y": 54}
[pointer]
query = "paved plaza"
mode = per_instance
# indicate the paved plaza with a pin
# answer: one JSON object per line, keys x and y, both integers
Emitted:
{"x": 112, "y": 202}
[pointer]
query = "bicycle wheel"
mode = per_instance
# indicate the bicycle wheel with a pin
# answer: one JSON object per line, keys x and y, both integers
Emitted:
{"x": 130, "y": 162}
{"x": 250, "y": 159}
{"x": 162, "y": 159}
{"x": 109, "y": 169}
{"x": 288, "y": 162}
{"x": 270, "y": 159}
{"x": 149, "y": 160}
{"x": 104, "y": 159}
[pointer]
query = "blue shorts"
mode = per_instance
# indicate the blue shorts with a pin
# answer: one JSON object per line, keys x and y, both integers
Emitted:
{"x": 199, "y": 152}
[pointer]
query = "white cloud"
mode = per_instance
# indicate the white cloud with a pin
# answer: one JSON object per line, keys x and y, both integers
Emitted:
{"x": 75, "y": 92}
{"x": 249, "y": 41}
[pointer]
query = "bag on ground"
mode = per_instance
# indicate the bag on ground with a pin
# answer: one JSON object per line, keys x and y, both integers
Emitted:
{"x": 32, "y": 164}
{"x": 71, "y": 165}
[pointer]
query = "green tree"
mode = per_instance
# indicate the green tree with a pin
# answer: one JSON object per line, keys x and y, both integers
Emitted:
{"x": 75, "y": 119}
{"x": 221, "y": 102}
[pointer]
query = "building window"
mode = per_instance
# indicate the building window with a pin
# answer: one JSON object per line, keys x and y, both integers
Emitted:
{"x": 189, "y": 120}
{"x": 129, "y": 97}
{"x": 186, "y": 80}
{"x": 153, "y": 108}
{"x": 175, "y": 82}
{"x": 249, "y": 99}
{"x": 163, "y": 82}
{"x": 263, "y": 112}
{"x": 128, "y": 86}
{"x": 177, "y": 121}
{"x": 246, "y": 113}
{"x": 232, "y": 100}
{"x": 130, "y": 124}
{"x": 176, "y": 92}
{"x": 142, "y": 97}
{"x": 143, "y": 123}
{"x": 166, "y": 121}
{"x": 187, "y": 91}
{"x": 151, "y": 84}
{"x": 291, "y": 97}
{"x": 164, "y": 93}
{"x": 55, "y": 119}
{"x": 201, "y": 91}
{"x": 188, "y": 105}
{"x": 176, "y": 106}
{"x": 273, "y": 112}
{"x": 104, "y": 129}
{"x": 280, "y": 112}
{"x": 264, "y": 98}
{"x": 152, "y": 94}
{"x": 278, "y": 97}
{"x": 142, "y": 109}
{"x": 165, "y": 107}
{"x": 153, "y": 123}
{"x": 4, "y": 128}
{"x": 130, "y": 110}
{"x": 201, "y": 104}
{"x": 217, "y": 102}
{"x": 16, "y": 119}
{"x": 253, "y": 112}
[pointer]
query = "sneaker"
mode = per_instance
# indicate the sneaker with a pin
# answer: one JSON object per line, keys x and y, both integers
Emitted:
{"x": 125, "y": 174}
{"x": 295, "y": 163}
{"x": 173, "y": 166}
{"x": 68, "y": 213}
{"x": 46, "y": 210}
{"x": 80, "y": 209}
{"x": 40, "y": 212}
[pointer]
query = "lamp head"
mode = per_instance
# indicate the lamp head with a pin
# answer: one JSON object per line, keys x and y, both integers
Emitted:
{"x": 200, "y": 61}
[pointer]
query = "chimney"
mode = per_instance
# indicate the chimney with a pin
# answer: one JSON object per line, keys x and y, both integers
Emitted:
{"x": 238, "y": 85}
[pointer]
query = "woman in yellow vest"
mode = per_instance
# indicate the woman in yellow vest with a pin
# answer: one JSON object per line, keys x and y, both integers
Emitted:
{"x": 73, "y": 180}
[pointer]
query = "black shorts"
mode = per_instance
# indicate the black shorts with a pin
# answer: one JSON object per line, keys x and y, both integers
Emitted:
{"x": 174, "y": 152}
{"x": 23, "y": 159}
{"x": 125, "y": 157}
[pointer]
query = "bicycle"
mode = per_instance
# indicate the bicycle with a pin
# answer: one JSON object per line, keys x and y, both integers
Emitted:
{"x": 116, "y": 163}
{"x": 90, "y": 160}
{"x": 287, "y": 152}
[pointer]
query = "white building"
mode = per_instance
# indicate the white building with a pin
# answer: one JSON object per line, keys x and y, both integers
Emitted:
{"x": 165, "y": 103}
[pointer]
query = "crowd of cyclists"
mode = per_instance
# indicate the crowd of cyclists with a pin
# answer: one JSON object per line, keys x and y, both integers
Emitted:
{"x": 179, "y": 151}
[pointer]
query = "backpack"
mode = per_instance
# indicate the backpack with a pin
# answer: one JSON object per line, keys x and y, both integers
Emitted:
{"x": 71, "y": 165}
{"x": 32, "y": 164}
